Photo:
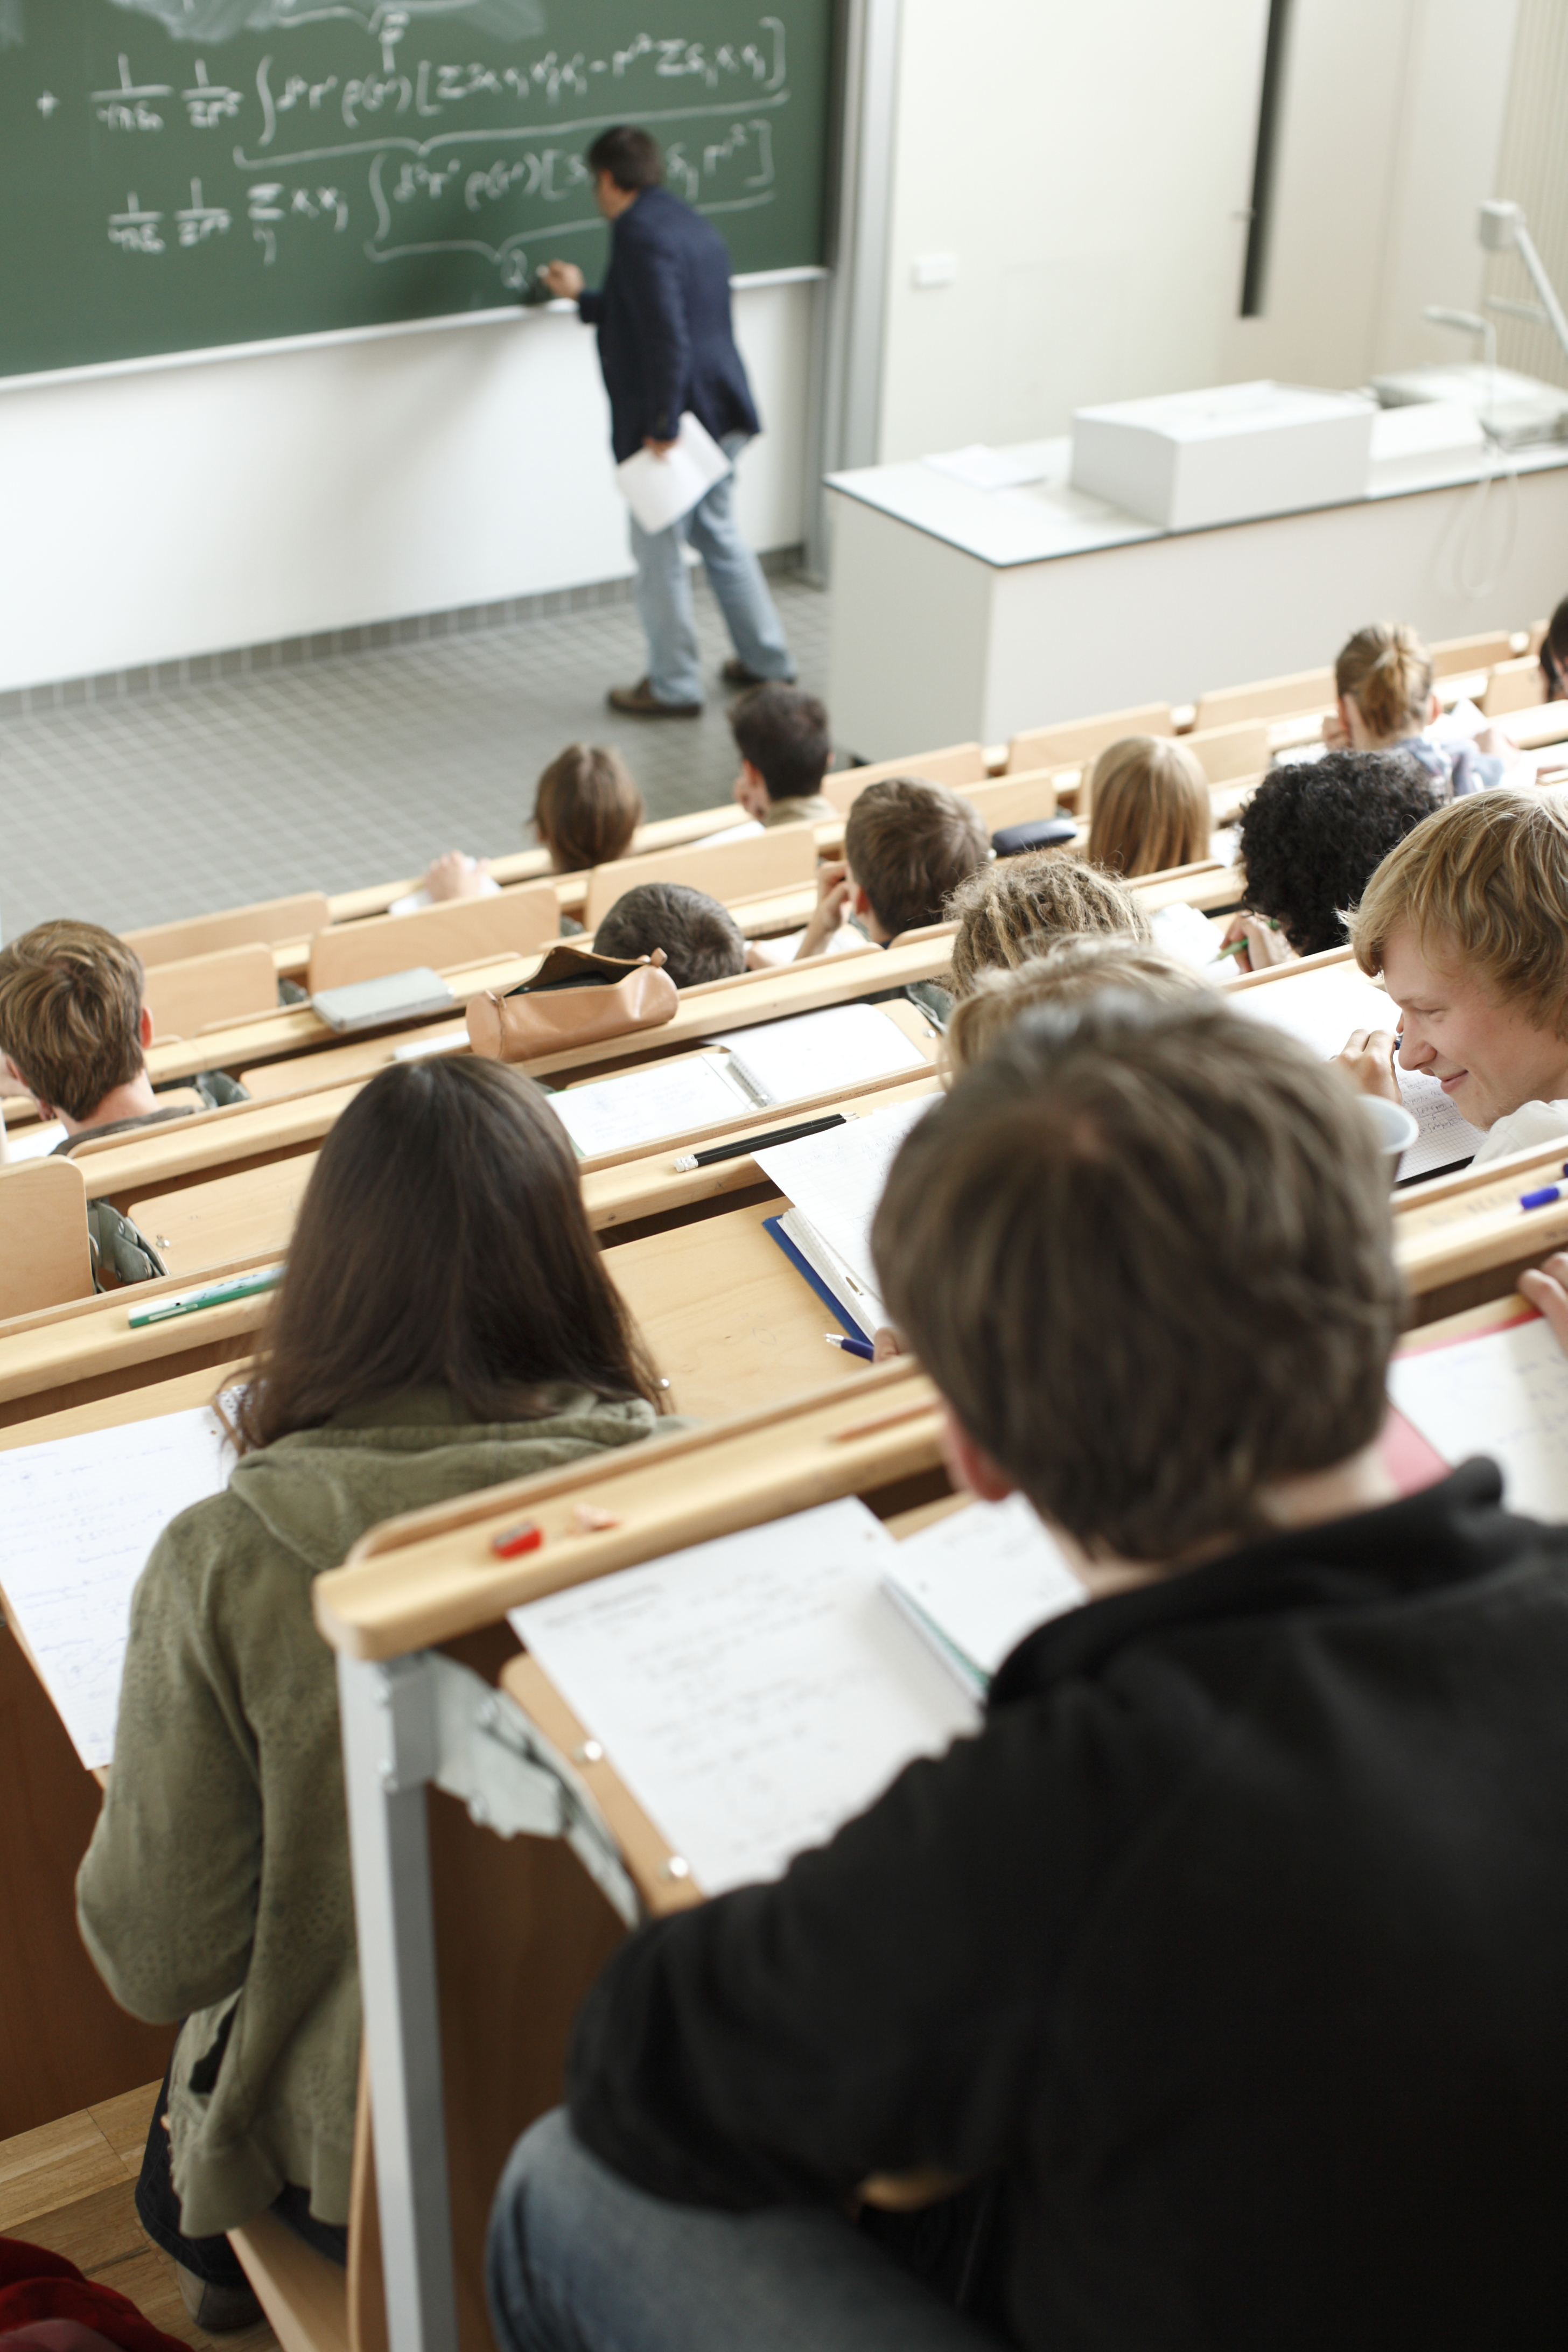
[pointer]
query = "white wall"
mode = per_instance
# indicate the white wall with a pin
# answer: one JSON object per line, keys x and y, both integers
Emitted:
{"x": 1390, "y": 137}
{"x": 1091, "y": 172}
{"x": 1088, "y": 166}
{"x": 189, "y": 509}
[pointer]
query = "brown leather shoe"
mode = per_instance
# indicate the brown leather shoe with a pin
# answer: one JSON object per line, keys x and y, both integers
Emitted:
{"x": 735, "y": 672}
{"x": 640, "y": 701}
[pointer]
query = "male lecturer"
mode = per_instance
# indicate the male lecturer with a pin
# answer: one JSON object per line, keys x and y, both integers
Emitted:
{"x": 666, "y": 345}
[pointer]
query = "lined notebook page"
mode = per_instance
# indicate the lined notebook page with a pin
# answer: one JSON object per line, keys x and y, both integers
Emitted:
{"x": 81, "y": 1516}
{"x": 844, "y": 1046}
{"x": 1505, "y": 1394}
{"x": 753, "y": 1693}
{"x": 1446, "y": 1139}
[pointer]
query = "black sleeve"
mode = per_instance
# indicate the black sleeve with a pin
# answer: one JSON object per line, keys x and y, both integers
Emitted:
{"x": 876, "y": 2008}
{"x": 590, "y": 305}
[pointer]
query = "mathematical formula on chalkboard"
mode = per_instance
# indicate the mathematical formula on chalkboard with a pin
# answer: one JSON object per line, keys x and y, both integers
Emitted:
{"x": 301, "y": 163}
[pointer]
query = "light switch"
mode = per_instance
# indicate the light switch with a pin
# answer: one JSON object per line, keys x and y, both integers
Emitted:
{"x": 935, "y": 269}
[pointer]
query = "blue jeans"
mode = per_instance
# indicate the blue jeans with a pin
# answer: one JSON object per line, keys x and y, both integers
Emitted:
{"x": 579, "y": 2261}
{"x": 663, "y": 593}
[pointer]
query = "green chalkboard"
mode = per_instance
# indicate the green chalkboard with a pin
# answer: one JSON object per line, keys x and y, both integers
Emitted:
{"x": 183, "y": 174}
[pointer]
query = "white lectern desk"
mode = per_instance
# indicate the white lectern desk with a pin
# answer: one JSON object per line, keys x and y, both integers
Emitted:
{"x": 962, "y": 614}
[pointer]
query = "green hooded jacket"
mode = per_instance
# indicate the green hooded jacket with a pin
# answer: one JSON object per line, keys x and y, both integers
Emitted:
{"x": 217, "y": 1886}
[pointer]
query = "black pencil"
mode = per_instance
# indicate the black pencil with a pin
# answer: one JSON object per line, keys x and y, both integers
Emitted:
{"x": 747, "y": 1143}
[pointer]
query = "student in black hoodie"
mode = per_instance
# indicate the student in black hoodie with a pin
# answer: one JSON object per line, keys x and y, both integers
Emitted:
{"x": 1213, "y": 1991}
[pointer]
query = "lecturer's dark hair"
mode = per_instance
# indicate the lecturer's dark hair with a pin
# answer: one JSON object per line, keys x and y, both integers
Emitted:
{"x": 442, "y": 1242}
{"x": 631, "y": 157}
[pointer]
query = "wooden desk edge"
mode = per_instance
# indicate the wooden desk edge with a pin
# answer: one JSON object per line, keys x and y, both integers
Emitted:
{"x": 402, "y": 1588}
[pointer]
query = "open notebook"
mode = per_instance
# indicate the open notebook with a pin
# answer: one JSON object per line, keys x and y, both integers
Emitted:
{"x": 833, "y": 1184}
{"x": 1502, "y": 1392}
{"x": 755, "y": 1693}
{"x": 1321, "y": 1008}
{"x": 81, "y": 1516}
{"x": 748, "y": 1071}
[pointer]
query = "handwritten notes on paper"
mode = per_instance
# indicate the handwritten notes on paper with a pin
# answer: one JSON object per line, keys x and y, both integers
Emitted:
{"x": 666, "y": 1098}
{"x": 1504, "y": 1393}
{"x": 1446, "y": 1139}
{"x": 753, "y": 1693}
{"x": 81, "y": 1516}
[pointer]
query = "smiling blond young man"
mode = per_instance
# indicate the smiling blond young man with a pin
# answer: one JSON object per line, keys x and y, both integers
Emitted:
{"x": 1467, "y": 921}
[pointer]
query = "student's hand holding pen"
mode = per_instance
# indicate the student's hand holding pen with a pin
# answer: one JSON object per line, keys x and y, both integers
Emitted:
{"x": 1546, "y": 1286}
{"x": 1255, "y": 943}
{"x": 1368, "y": 1063}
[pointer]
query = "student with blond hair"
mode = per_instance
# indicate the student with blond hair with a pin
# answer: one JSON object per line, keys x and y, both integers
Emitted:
{"x": 217, "y": 1888}
{"x": 1209, "y": 1992}
{"x": 1012, "y": 910}
{"x": 1067, "y": 973}
{"x": 1149, "y": 807}
{"x": 1383, "y": 679}
{"x": 1466, "y": 922}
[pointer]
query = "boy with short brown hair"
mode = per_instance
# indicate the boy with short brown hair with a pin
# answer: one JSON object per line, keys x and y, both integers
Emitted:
{"x": 907, "y": 844}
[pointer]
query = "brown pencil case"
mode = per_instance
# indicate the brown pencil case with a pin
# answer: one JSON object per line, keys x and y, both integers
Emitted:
{"x": 575, "y": 998}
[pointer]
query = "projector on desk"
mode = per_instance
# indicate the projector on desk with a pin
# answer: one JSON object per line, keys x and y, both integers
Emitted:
{"x": 1190, "y": 459}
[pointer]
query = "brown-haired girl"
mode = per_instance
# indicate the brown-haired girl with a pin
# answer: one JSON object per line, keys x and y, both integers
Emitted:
{"x": 445, "y": 1323}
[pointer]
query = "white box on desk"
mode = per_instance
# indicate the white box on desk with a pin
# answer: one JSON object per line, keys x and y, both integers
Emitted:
{"x": 1190, "y": 459}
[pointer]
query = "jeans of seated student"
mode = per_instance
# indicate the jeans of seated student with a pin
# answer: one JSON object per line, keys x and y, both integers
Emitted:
{"x": 579, "y": 2261}
{"x": 663, "y": 593}
{"x": 214, "y": 2260}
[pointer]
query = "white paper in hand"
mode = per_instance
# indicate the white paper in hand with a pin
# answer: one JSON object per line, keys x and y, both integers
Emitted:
{"x": 659, "y": 490}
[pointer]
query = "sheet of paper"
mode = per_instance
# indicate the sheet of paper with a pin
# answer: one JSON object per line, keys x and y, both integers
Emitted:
{"x": 984, "y": 469}
{"x": 742, "y": 829}
{"x": 984, "y": 1577}
{"x": 35, "y": 1143}
{"x": 753, "y": 1693}
{"x": 435, "y": 1041}
{"x": 666, "y": 1098}
{"x": 1321, "y": 1007}
{"x": 1504, "y": 1394}
{"x": 1186, "y": 933}
{"x": 836, "y": 1180}
{"x": 413, "y": 901}
{"x": 1446, "y": 1139}
{"x": 81, "y": 1516}
{"x": 659, "y": 490}
{"x": 847, "y": 1045}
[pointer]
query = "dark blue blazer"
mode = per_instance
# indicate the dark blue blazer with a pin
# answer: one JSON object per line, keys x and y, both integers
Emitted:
{"x": 666, "y": 343}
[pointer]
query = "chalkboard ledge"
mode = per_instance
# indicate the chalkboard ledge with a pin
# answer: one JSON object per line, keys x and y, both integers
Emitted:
{"x": 511, "y": 315}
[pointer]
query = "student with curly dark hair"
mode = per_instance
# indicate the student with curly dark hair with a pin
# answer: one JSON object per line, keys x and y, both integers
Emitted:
{"x": 1311, "y": 838}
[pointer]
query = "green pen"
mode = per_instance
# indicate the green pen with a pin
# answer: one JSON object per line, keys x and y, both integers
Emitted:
{"x": 212, "y": 1294}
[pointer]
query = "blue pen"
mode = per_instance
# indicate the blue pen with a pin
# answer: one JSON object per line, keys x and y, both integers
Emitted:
{"x": 861, "y": 1348}
{"x": 1544, "y": 1197}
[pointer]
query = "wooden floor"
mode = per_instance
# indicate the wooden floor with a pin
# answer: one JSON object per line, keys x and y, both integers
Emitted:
{"x": 69, "y": 2186}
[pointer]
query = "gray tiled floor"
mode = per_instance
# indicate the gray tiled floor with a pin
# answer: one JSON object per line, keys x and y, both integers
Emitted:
{"x": 339, "y": 773}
